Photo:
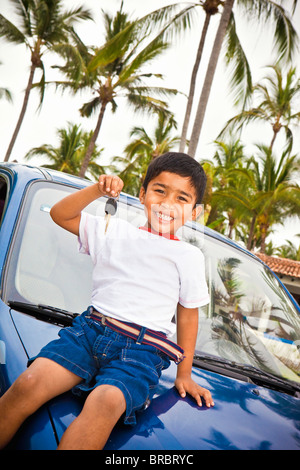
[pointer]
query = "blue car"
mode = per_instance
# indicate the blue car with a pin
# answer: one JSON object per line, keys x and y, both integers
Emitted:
{"x": 247, "y": 351}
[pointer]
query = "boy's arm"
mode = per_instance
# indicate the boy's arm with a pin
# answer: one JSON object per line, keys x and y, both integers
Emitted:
{"x": 67, "y": 212}
{"x": 187, "y": 328}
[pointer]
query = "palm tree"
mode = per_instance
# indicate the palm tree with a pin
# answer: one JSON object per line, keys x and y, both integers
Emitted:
{"x": 159, "y": 143}
{"x": 142, "y": 150}
{"x": 117, "y": 69}
{"x": 229, "y": 155}
{"x": 278, "y": 197}
{"x": 264, "y": 11}
{"x": 277, "y": 99}
{"x": 211, "y": 8}
{"x": 289, "y": 250}
{"x": 268, "y": 194}
{"x": 43, "y": 25}
{"x": 68, "y": 156}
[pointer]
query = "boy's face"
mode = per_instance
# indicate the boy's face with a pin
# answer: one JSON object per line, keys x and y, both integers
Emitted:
{"x": 169, "y": 202}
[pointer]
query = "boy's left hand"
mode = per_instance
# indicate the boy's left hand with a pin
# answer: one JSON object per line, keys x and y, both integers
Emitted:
{"x": 185, "y": 384}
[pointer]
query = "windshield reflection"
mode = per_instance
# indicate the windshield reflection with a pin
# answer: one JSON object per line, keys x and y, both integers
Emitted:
{"x": 250, "y": 319}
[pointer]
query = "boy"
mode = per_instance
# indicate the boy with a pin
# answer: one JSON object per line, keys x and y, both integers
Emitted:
{"x": 117, "y": 349}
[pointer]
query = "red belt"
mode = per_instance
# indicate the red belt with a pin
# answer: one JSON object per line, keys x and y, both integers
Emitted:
{"x": 151, "y": 337}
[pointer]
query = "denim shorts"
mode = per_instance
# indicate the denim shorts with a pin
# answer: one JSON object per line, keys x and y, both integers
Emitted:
{"x": 100, "y": 355}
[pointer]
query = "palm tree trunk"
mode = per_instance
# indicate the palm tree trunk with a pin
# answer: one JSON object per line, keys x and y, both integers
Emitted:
{"x": 22, "y": 113}
{"x": 92, "y": 143}
{"x": 272, "y": 141}
{"x": 212, "y": 65}
{"x": 251, "y": 233}
{"x": 193, "y": 84}
{"x": 263, "y": 233}
{"x": 276, "y": 128}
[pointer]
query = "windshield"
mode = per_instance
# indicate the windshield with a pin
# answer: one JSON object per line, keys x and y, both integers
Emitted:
{"x": 250, "y": 318}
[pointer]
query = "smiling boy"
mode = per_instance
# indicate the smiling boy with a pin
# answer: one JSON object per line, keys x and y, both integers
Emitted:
{"x": 165, "y": 216}
{"x": 117, "y": 349}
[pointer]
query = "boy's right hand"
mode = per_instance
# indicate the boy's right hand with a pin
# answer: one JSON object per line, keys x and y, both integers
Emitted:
{"x": 67, "y": 212}
{"x": 110, "y": 185}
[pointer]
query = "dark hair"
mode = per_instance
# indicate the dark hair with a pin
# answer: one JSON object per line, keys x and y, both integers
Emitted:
{"x": 181, "y": 164}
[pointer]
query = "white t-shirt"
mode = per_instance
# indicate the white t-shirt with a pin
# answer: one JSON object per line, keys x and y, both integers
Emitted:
{"x": 139, "y": 276}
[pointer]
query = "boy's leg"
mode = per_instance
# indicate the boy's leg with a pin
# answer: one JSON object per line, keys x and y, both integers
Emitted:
{"x": 91, "y": 429}
{"x": 43, "y": 380}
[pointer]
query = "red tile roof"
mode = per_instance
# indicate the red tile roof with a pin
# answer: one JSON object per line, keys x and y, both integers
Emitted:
{"x": 284, "y": 266}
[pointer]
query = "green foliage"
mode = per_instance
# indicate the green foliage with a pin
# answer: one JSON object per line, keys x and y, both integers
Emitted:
{"x": 246, "y": 194}
{"x": 117, "y": 68}
{"x": 41, "y": 26}
{"x": 255, "y": 192}
{"x": 275, "y": 102}
{"x": 288, "y": 250}
{"x": 69, "y": 154}
{"x": 141, "y": 150}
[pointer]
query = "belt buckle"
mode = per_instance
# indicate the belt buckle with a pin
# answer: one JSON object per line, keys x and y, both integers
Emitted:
{"x": 101, "y": 316}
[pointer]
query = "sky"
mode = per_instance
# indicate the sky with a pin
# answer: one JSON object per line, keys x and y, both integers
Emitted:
{"x": 40, "y": 127}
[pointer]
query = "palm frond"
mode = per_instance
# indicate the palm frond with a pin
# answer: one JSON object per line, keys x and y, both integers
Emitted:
{"x": 10, "y": 32}
{"x": 242, "y": 119}
{"x": 112, "y": 49}
{"x": 41, "y": 86}
{"x": 43, "y": 150}
{"x": 75, "y": 66}
{"x": 148, "y": 53}
{"x": 170, "y": 22}
{"x": 286, "y": 39}
{"x": 77, "y": 14}
{"x": 150, "y": 90}
{"x": 241, "y": 78}
{"x": 5, "y": 93}
{"x": 89, "y": 108}
{"x": 23, "y": 11}
{"x": 285, "y": 35}
{"x": 52, "y": 24}
{"x": 146, "y": 103}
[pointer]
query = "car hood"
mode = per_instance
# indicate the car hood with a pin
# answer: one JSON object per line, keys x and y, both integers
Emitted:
{"x": 245, "y": 416}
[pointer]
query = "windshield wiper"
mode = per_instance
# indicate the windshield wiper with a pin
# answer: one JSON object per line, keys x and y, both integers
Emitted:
{"x": 268, "y": 378}
{"x": 252, "y": 373}
{"x": 218, "y": 365}
{"x": 45, "y": 312}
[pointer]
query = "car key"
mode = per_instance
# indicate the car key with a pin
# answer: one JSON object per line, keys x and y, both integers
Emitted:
{"x": 110, "y": 209}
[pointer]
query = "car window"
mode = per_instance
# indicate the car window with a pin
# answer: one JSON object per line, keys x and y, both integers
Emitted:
{"x": 42, "y": 255}
{"x": 250, "y": 318}
{"x": 45, "y": 266}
